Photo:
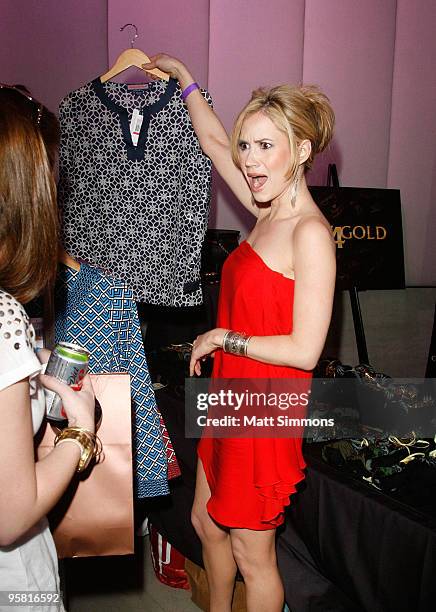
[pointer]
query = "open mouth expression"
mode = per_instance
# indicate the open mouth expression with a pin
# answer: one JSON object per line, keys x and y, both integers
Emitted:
{"x": 265, "y": 157}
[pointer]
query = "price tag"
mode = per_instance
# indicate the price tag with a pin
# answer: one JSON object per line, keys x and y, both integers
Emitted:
{"x": 135, "y": 126}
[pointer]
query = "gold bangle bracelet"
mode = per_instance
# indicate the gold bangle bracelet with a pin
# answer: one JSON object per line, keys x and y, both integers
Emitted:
{"x": 73, "y": 440}
{"x": 88, "y": 441}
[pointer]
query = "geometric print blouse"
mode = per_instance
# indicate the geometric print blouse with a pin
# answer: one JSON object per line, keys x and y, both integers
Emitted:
{"x": 98, "y": 313}
{"x": 139, "y": 212}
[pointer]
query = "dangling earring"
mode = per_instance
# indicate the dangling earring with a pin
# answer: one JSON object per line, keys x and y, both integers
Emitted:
{"x": 294, "y": 190}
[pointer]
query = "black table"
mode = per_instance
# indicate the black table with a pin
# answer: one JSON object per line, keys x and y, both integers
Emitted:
{"x": 348, "y": 547}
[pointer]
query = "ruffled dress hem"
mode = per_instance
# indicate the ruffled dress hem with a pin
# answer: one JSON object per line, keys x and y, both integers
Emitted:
{"x": 274, "y": 498}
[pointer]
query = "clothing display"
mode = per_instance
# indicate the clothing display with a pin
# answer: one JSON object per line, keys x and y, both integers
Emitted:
{"x": 97, "y": 312}
{"x": 138, "y": 211}
{"x": 30, "y": 564}
{"x": 251, "y": 479}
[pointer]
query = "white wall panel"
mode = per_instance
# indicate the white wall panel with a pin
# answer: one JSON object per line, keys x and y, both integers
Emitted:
{"x": 348, "y": 52}
{"x": 252, "y": 43}
{"x": 171, "y": 26}
{"x": 412, "y": 153}
{"x": 52, "y": 47}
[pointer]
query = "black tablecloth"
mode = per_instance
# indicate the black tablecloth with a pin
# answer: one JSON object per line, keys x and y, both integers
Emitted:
{"x": 349, "y": 547}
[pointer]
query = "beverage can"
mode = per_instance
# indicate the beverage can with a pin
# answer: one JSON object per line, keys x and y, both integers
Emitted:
{"x": 69, "y": 364}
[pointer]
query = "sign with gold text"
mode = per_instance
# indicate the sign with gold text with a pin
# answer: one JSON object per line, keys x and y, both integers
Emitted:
{"x": 367, "y": 230}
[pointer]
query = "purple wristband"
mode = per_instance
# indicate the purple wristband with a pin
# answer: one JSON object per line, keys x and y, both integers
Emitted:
{"x": 189, "y": 89}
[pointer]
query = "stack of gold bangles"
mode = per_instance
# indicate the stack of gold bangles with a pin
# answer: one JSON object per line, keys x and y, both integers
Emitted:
{"x": 236, "y": 343}
{"x": 90, "y": 444}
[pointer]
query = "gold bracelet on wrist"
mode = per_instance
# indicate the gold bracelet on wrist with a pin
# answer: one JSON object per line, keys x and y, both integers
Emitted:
{"x": 90, "y": 444}
{"x": 72, "y": 441}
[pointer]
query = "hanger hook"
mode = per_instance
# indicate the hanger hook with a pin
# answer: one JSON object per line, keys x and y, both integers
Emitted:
{"x": 136, "y": 32}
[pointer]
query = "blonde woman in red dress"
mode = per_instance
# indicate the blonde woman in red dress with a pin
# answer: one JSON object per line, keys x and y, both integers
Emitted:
{"x": 277, "y": 287}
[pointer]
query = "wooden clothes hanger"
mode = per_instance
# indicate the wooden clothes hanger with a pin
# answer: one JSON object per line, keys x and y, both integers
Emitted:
{"x": 132, "y": 57}
{"x": 128, "y": 58}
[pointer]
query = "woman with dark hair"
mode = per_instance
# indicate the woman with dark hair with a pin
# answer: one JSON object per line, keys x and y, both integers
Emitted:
{"x": 28, "y": 260}
{"x": 274, "y": 311}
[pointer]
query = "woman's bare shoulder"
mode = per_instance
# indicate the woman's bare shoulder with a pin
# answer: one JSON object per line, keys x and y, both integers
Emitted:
{"x": 313, "y": 232}
{"x": 312, "y": 222}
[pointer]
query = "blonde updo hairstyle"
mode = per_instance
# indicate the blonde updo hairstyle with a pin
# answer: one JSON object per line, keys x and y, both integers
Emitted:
{"x": 302, "y": 112}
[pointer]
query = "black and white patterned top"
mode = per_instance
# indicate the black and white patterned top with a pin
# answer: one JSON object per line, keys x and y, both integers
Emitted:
{"x": 140, "y": 212}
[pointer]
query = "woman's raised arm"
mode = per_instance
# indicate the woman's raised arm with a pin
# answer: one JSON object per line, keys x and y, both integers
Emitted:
{"x": 210, "y": 131}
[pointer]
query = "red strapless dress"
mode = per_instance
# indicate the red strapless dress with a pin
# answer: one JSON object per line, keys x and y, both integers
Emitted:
{"x": 251, "y": 479}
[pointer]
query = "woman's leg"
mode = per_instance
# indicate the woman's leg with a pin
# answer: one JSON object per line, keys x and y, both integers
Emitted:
{"x": 217, "y": 550}
{"x": 255, "y": 554}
